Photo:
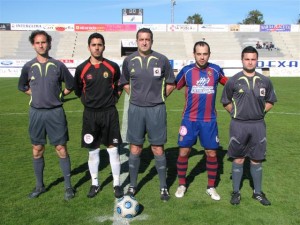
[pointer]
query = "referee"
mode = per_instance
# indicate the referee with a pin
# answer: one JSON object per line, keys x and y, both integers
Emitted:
{"x": 248, "y": 96}
{"x": 148, "y": 78}
{"x": 41, "y": 79}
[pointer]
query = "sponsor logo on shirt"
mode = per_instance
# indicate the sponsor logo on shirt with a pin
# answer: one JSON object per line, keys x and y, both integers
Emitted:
{"x": 201, "y": 88}
{"x": 89, "y": 76}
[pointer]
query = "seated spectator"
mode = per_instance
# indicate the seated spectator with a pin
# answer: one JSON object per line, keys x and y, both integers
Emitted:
{"x": 271, "y": 46}
{"x": 258, "y": 45}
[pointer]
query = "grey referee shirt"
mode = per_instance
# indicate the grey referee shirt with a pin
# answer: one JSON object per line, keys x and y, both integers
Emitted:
{"x": 248, "y": 95}
{"x": 45, "y": 81}
{"x": 147, "y": 77}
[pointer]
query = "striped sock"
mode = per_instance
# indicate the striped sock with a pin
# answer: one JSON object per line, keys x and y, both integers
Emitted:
{"x": 212, "y": 169}
{"x": 182, "y": 166}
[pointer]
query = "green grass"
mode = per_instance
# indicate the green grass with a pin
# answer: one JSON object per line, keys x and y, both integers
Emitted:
{"x": 280, "y": 178}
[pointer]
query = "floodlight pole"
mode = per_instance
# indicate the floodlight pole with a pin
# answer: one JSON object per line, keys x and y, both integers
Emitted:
{"x": 173, "y": 3}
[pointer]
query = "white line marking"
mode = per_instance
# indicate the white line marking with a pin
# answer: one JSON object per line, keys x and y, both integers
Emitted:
{"x": 117, "y": 220}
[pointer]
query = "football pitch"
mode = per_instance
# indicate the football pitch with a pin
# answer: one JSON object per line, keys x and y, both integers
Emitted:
{"x": 280, "y": 176}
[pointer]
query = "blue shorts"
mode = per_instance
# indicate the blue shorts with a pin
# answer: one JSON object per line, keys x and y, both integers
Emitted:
{"x": 207, "y": 132}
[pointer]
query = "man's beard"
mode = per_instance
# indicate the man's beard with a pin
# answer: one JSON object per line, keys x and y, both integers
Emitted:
{"x": 249, "y": 70}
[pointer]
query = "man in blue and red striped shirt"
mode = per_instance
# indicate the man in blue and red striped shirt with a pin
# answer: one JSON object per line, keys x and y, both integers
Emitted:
{"x": 199, "y": 119}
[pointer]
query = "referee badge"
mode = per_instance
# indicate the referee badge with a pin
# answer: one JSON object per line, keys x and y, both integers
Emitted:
{"x": 262, "y": 92}
{"x": 157, "y": 71}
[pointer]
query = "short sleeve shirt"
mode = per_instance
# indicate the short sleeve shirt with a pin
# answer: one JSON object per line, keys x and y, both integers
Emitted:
{"x": 147, "y": 77}
{"x": 45, "y": 81}
{"x": 248, "y": 96}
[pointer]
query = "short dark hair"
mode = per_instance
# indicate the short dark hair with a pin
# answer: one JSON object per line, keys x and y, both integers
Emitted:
{"x": 249, "y": 49}
{"x": 39, "y": 32}
{"x": 144, "y": 30}
{"x": 201, "y": 43}
{"x": 96, "y": 35}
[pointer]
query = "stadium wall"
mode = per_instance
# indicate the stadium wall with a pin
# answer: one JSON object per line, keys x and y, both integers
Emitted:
{"x": 269, "y": 67}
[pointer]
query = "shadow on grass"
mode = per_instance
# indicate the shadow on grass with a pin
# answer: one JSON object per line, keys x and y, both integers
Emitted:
{"x": 197, "y": 169}
{"x": 83, "y": 169}
{"x": 246, "y": 173}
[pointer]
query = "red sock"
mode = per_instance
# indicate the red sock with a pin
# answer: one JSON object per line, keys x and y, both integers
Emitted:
{"x": 212, "y": 169}
{"x": 182, "y": 166}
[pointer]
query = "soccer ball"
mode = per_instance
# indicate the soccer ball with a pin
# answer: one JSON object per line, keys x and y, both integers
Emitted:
{"x": 127, "y": 206}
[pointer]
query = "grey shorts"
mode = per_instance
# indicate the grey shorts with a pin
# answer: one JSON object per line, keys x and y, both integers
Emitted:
{"x": 48, "y": 122}
{"x": 247, "y": 139}
{"x": 150, "y": 120}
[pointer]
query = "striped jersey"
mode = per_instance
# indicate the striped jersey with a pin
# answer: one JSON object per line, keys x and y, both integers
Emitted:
{"x": 201, "y": 89}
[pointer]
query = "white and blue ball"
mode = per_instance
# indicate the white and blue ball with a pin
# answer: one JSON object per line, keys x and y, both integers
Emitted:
{"x": 127, "y": 206}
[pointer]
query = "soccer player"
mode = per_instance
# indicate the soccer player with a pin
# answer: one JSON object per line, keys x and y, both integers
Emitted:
{"x": 41, "y": 79}
{"x": 96, "y": 83}
{"x": 148, "y": 78}
{"x": 199, "y": 119}
{"x": 248, "y": 96}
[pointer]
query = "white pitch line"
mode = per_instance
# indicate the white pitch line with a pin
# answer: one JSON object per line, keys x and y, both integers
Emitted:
{"x": 117, "y": 220}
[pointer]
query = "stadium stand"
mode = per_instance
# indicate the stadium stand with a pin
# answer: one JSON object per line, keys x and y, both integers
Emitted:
{"x": 224, "y": 45}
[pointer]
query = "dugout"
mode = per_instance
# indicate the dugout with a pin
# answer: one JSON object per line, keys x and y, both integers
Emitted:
{"x": 128, "y": 46}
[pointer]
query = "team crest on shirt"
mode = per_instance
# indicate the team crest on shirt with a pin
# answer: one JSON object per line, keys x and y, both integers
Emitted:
{"x": 262, "y": 92}
{"x": 105, "y": 74}
{"x": 182, "y": 131}
{"x": 89, "y": 76}
{"x": 88, "y": 138}
{"x": 209, "y": 73}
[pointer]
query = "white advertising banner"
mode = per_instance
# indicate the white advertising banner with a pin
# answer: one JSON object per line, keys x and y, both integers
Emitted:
{"x": 42, "y": 26}
{"x": 213, "y": 28}
{"x": 182, "y": 27}
{"x": 153, "y": 27}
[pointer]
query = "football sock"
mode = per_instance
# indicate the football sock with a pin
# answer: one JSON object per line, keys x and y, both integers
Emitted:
{"x": 93, "y": 162}
{"x": 256, "y": 173}
{"x": 212, "y": 169}
{"x": 114, "y": 159}
{"x": 38, "y": 167}
{"x": 134, "y": 165}
{"x": 182, "y": 166}
{"x": 237, "y": 173}
{"x": 160, "y": 164}
{"x": 65, "y": 166}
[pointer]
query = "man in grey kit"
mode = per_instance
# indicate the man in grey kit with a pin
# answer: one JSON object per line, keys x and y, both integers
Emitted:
{"x": 148, "y": 78}
{"x": 41, "y": 79}
{"x": 248, "y": 96}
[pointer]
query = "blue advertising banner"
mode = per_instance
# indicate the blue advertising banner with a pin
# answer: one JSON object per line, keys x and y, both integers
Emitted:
{"x": 275, "y": 28}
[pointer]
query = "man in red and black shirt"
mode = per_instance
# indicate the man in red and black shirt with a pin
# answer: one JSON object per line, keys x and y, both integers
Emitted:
{"x": 96, "y": 83}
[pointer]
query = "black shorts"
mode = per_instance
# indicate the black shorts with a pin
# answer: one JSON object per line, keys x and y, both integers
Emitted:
{"x": 100, "y": 127}
{"x": 247, "y": 139}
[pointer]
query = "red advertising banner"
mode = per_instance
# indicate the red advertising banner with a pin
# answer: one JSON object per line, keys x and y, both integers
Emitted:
{"x": 105, "y": 27}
